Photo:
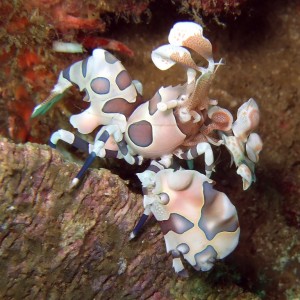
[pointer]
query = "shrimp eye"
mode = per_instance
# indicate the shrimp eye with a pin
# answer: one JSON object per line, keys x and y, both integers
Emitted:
{"x": 164, "y": 198}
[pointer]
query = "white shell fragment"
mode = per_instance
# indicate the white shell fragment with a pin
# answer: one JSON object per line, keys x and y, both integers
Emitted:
{"x": 67, "y": 47}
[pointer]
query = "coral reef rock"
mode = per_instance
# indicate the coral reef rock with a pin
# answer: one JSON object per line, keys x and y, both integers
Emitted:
{"x": 58, "y": 243}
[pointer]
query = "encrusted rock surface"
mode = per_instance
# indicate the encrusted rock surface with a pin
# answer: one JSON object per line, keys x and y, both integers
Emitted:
{"x": 55, "y": 241}
{"x": 58, "y": 243}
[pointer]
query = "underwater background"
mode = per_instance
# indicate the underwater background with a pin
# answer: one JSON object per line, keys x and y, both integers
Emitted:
{"x": 62, "y": 244}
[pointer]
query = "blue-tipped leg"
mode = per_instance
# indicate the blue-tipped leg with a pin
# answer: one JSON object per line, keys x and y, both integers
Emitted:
{"x": 84, "y": 168}
{"x": 138, "y": 226}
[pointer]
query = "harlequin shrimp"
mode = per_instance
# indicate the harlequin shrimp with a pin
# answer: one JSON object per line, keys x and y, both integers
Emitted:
{"x": 139, "y": 128}
{"x": 178, "y": 120}
{"x": 199, "y": 223}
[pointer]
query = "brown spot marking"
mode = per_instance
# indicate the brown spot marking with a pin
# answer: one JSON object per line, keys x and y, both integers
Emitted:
{"x": 215, "y": 207}
{"x": 220, "y": 117}
{"x": 199, "y": 44}
{"x": 110, "y": 58}
{"x": 140, "y": 133}
{"x": 176, "y": 223}
{"x": 184, "y": 59}
{"x": 122, "y": 106}
{"x": 153, "y": 103}
{"x": 254, "y": 121}
{"x": 222, "y": 120}
{"x": 100, "y": 85}
{"x": 123, "y": 80}
{"x": 254, "y": 118}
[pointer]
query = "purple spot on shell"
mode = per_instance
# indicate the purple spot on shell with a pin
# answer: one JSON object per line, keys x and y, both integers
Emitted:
{"x": 100, "y": 85}
{"x": 110, "y": 58}
{"x": 84, "y": 66}
{"x": 176, "y": 223}
{"x": 217, "y": 214}
{"x": 205, "y": 259}
{"x": 140, "y": 133}
{"x": 123, "y": 80}
{"x": 66, "y": 74}
{"x": 121, "y": 106}
{"x": 153, "y": 103}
